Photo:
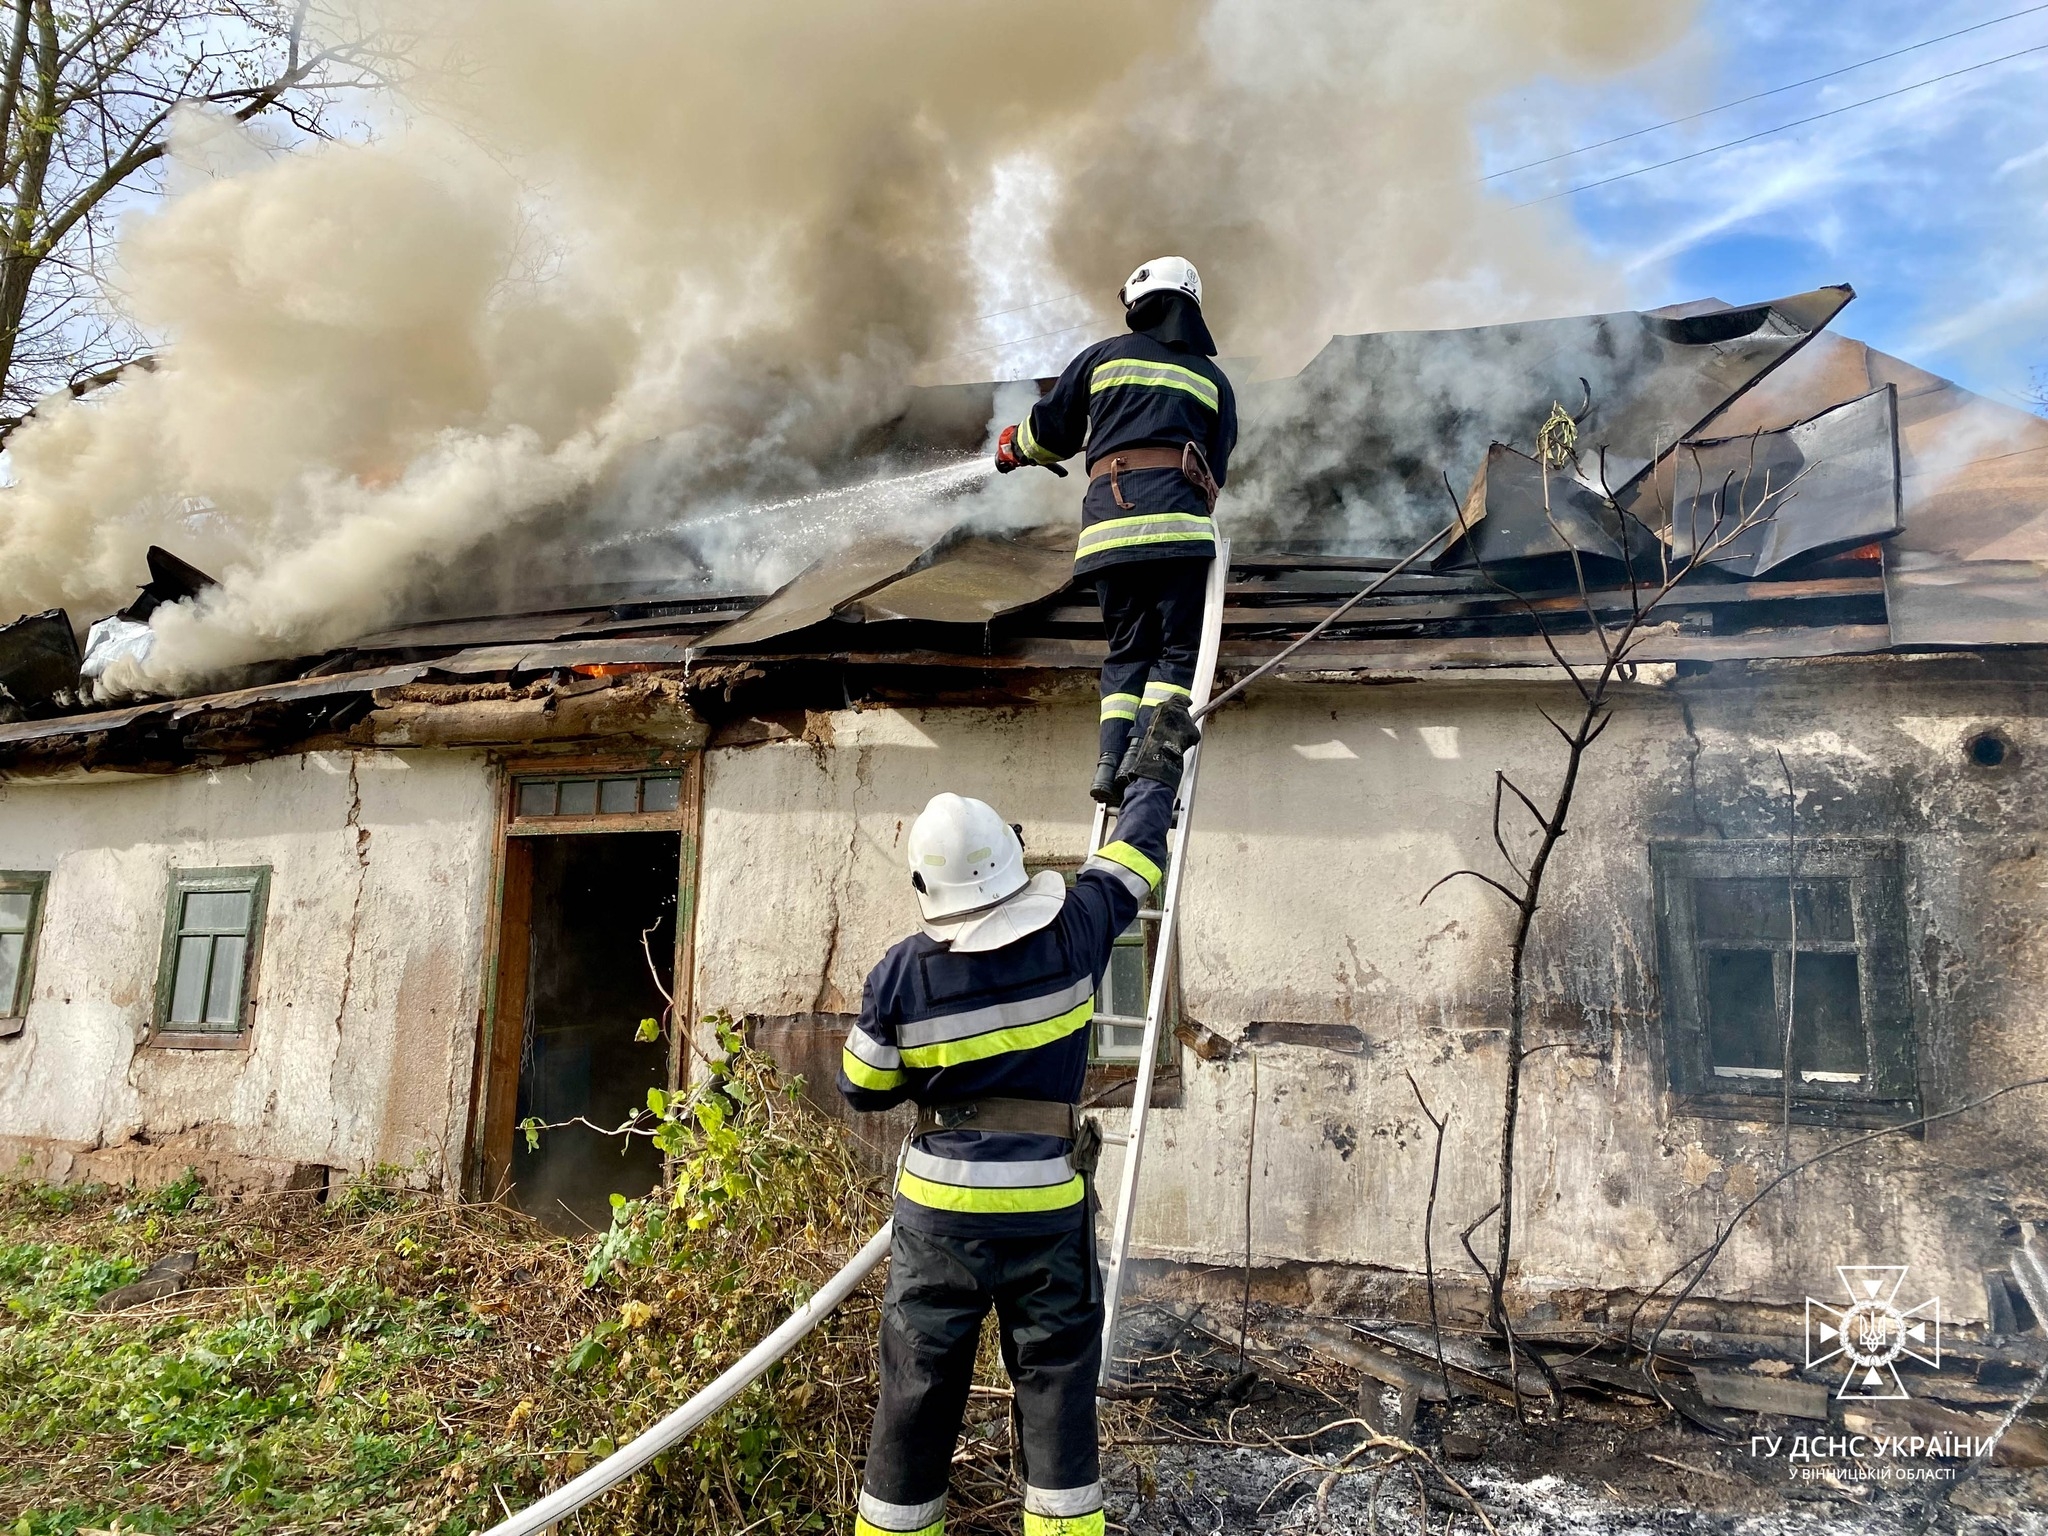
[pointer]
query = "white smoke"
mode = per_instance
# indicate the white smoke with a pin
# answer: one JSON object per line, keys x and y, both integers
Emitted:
{"x": 623, "y": 260}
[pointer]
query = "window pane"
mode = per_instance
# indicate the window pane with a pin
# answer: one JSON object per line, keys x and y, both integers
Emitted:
{"x": 1123, "y": 984}
{"x": 224, "y": 993}
{"x": 618, "y": 797}
{"x": 1737, "y": 910}
{"x": 216, "y": 912}
{"x": 1744, "y": 1029}
{"x": 537, "y": 799}
{"x": 1825, "y": 912}
{"x": 661, "y": 794}
{"x": 1119, "y": 1042}
{"x": 579, "y": 798}
{"x": 14, "y": 910}
{"x": 1746, "y": 911}
{"x": 1828, "y": 1027}
{"x": 12, "y": 946}
{"x": 188, "y": 983}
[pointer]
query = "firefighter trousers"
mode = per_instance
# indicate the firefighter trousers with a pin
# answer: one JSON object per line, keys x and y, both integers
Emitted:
{"x": 1048, "y": 1303}
{"x": 1152, "y": 610}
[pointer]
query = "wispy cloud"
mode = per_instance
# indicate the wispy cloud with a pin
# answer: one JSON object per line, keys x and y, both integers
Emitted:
{"x": 1934, "y": 202}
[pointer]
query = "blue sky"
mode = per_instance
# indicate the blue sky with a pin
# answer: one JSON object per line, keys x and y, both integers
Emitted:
{"x": 1933, "y": 203}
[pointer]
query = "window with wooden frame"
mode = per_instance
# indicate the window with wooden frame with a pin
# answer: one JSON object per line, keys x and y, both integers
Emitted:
{"x": 213, "y": 930}
{"x": 1748, "y": 944}
{"x": 1118, "y": 1035}
{"x": 563, "y": 800}
{"x": 21, "y": 913}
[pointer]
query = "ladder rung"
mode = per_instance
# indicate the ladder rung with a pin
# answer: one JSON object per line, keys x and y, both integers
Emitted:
{"x": 1115, "y": 1139}
{"x": 1150, "y": 914}
{"x": 1124, "y": 1019}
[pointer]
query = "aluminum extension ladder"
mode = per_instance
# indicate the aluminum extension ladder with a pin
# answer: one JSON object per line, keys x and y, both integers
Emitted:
{"x": 1165, "y": 916}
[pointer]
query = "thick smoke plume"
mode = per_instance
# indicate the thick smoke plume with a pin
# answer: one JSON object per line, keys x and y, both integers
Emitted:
{"x": 615, "y": 263}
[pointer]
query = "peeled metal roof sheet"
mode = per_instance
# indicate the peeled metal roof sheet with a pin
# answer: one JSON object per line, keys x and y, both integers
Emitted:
{"x": 1351, "y": 453}
{"x": 1507, "y": 518}
{"x": 978, "y": 579}
{"x": 38, "y": 659}
{"x": 820, "y": 591}
{"x": 1827, "y": 483}
{"x": 1970, "y": 565}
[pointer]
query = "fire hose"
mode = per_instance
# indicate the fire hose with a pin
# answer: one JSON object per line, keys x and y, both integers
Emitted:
{"x": 637, "y": 1453}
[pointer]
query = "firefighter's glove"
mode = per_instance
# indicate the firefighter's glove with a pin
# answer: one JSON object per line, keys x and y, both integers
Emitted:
{"x": 1162, "y": 752}
{"x": 1008, "y": 456}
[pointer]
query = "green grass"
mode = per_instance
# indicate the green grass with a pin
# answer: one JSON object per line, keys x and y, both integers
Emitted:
{"x": 392, "y": 1362}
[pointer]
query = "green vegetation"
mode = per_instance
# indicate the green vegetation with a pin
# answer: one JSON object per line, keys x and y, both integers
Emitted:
{"x": 393, "y": 1362}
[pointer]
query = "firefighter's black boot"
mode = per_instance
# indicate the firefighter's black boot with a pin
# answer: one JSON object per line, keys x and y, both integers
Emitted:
{"x": 1122, "y": 771}
{"x": 1107, "y": 788}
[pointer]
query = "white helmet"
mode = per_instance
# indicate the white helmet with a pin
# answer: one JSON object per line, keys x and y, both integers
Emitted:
{"x": 967, "y": 866}
{"x": 1163, "y": 274}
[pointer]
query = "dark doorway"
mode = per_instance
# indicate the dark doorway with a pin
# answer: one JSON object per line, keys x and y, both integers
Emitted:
{"x": 588, "y": 986}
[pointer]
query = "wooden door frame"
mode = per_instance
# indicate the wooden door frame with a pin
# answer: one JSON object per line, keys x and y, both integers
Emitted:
{"x": 501, "y": 1018}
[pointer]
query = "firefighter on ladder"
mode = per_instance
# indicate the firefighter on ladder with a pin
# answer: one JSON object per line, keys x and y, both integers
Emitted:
{"x": 1159, "y": 421}
{"x": 982, "y": 1020}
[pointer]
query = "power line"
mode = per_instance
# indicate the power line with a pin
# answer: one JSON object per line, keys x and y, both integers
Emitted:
{"x": 1065, "y": 296}
{"x": 1750, "y": 138}
{"x": 1776, "y": 90}
{"x": 1017, "y": 341}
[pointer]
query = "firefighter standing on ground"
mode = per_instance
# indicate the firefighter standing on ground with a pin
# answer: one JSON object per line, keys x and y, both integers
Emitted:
{"x": 1159, "y": 421}
{"x": 982, "y": 1020}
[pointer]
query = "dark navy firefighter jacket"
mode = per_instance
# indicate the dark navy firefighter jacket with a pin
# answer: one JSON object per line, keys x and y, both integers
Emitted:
{"x": 1134, "y": 391}
{"x": 938, "y": 1028}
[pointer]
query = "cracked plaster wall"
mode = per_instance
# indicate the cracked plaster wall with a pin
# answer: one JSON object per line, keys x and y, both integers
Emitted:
{"x": 366, "y": 992}
{"x": 1327, "y": 812}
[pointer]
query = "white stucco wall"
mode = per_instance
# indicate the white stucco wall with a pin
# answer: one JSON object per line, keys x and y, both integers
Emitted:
{"x": 1325, "y": 814}
{"x": 366, "y": 992}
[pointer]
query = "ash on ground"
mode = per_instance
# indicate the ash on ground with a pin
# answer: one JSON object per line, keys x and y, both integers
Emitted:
{"x": 1198, "y": 1443}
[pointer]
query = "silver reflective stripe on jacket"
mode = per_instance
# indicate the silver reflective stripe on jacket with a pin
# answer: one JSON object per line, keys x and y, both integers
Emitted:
{"x": 980, "y": 1021}
{"x": 1033, "y": 1174}
{"x": 883, "y": 1058}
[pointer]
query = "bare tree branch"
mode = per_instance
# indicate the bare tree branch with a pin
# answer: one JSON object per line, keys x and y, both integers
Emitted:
{"x": 89, "y": 92}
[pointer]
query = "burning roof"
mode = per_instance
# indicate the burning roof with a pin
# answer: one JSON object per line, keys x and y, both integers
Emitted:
{"x": 1917, "y": 518}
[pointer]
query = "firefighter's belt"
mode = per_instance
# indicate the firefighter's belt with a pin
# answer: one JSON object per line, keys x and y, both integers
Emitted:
{"x": 1023, "y": 1117}
{"x": 1189, "y": 459}
{"x": 1128, "y": 459}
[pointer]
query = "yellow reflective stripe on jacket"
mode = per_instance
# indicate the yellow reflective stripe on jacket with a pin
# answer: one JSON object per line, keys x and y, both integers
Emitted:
{"x": 1148, "y": 375}
{"x": 861, "y": 1075}
{"x": 1119, "y": 706}
{"x": 861, "y": 1527}
{"x": 1063, "y": 1525}
{"x": 1146, "y": 528}
{"x": 998, "y": 1042}
{"x": 1159, "y": 693}
{"x": 1131, "y": 859}
{"x": 960, "y": 1197}
{"x": 1029, "y": 445}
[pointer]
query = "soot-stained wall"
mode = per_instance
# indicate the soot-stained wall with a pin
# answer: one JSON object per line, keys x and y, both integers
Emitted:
{"x": 1326, "y": 813}
{"x": 365, "y": 992}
